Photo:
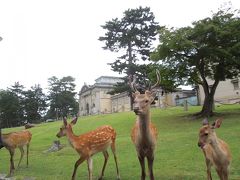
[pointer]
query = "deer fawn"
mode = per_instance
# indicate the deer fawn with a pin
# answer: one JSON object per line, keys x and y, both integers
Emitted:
{"x": 144, "y": 133}
{"x": 215, "y": 150}
{"x": 14, "y": 140}
{"x": 88, "y": 144}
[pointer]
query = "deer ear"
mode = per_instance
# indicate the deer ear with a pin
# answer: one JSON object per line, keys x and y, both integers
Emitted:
{"x": 150, "y": 94}
{"x": 74, "y": 121}
{"x": 205, "y": 122}
{"x": 65, "y": 121}
{"x": 217, "y": 124}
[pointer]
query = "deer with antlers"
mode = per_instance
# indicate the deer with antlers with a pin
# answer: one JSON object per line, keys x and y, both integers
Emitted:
{"x": 14, "y": 140}
{"x": 215, "y": 150}
{"x": 144, "y": 133}
{"x": 90, "y": 143}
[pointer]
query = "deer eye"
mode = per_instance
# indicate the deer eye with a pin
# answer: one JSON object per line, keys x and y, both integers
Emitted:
{"x": 146, "y": 101}
{"x": 206, "y": 134}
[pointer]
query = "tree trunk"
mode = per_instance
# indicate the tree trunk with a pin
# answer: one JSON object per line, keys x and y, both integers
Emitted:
{"x": 207, "y": 108}
{"x": 130, "y": 71}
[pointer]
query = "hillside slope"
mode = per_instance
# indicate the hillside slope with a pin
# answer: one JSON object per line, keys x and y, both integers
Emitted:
{"x": 177, "y": 154}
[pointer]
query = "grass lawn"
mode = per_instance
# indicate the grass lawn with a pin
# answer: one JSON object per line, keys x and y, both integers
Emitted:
{"x": 177, "y": 156}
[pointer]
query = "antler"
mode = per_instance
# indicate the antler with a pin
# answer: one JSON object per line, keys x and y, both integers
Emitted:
{"x": 132, "y": 82}
{"x": 158, "y": 80}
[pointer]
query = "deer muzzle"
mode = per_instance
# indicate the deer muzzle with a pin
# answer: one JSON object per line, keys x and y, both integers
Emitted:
{"x": 136, "y": 110}
{"x": 201, "y": 145}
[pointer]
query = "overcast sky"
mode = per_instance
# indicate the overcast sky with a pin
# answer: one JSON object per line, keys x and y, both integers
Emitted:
{"x": 59, "y": 38}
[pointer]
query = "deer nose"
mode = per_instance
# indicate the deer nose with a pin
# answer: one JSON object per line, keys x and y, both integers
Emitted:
{"x": 199, "y": 144}
{"x": 136, "y": 109}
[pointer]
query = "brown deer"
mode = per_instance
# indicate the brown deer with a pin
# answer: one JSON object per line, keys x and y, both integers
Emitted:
{"x": 14, "y": 140}
{"x": 1, "y": 143}
{"x": 90, "y": 143}
{"x": 215, "y": 150}
{"x": 144, "y": 133}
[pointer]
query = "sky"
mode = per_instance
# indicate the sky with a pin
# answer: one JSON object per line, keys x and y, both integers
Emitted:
{"x": 59, "y": 38}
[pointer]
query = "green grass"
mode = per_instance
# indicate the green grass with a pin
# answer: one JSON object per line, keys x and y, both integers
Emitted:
{"x": 177, "y": 156}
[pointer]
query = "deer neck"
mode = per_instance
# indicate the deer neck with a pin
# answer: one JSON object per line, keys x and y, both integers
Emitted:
{"x": 71, "y": 136}
{"x": 144, "y": 124}
{"x": 216, "y": 145}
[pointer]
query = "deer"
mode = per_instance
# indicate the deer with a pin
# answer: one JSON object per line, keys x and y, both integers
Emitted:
{"x": 215, "y": 150}
{"x": 14, "y": 140}
{"x": 144, "y": 133}
{"x": 90, "y": 143}
{"x": 1, "y": 143}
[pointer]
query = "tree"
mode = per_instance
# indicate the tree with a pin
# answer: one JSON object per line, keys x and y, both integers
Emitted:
{"x": 209, "y": 49}
{"x": 9, "y": 109}
{"x": 62, "y": 97}
{"x": 132, "y": 37}
{"x": 34, "y": 103}
{"x": 17, "y": 89}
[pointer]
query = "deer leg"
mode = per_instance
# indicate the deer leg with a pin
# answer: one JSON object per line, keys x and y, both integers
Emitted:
{"x": 226, "y": 173}
{"x": 150, "y": 159}
{"x": 22, "y": 153}
{"x": 105, "y": 154}
{"x": 11, "y": 151}
{"x": 90, "y": 167}
{"x": 115, "y": 158}
{"x": 208, "y": 163}
{"x": 142, "y": 163}
{"x": 78, "y": 162}
{"x": 27, "y": 153}
{"x": 220, "y": 173}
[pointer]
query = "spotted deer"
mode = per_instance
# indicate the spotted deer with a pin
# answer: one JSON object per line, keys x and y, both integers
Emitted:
{"x": 215, "y": 150}
{"x": 90, "y": 143}
{"x": 144, "y": 132}
{"x": 14, "y": 140}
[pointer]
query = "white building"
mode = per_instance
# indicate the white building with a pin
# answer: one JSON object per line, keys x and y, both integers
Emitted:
{"x": 95, "y": 99}
{"x": 227, "y": 92}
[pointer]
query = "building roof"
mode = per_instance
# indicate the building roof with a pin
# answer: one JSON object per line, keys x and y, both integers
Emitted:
{"x": 103, "y": 82}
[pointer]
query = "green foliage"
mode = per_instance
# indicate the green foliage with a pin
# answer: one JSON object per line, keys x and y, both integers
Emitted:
{"x": 177, "y": 155}
{"x": 62, "y": 97}
{"x": 9, "y": 109}
{"x": 132, "y": 37}
{"x": 34, "y": 104}
{"x": 209, "y": 49}
{"x": 18, "y": 105}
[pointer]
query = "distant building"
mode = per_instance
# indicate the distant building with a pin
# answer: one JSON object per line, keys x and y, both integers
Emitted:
{"x": 227, "y": 92}
{"x": 121, "y": 102}
{"x": 94, "y": 99}
{"x": 176, "y": 98}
